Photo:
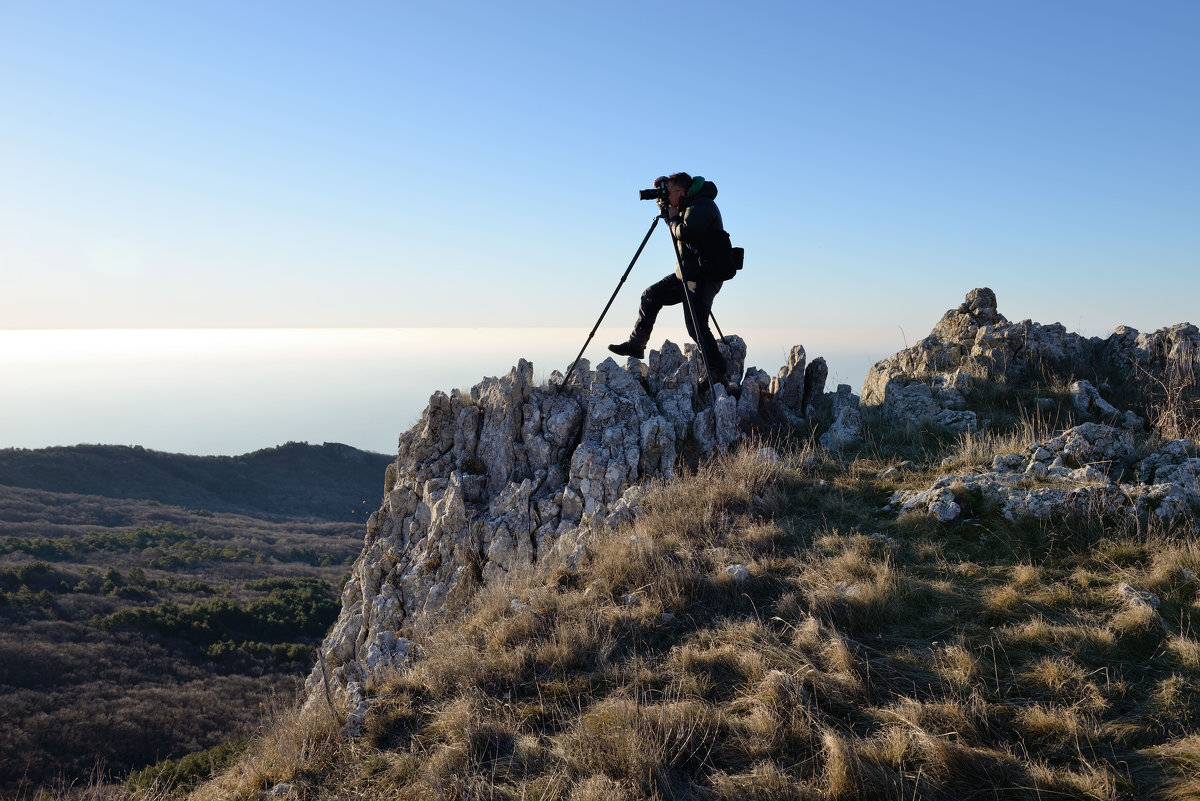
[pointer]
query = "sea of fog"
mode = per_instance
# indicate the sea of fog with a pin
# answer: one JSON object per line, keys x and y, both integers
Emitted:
{"x": 232, "y": 391}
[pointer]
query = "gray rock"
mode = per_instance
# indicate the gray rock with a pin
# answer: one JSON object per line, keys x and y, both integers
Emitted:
{"x": 387, "y": 651}
{"x": 975, "y": 343}
{"x": 847, "y": 420}
{"x": 733, "y": 348}
{"x": 1084, "y": 470}
{"x": 956, "y": 420}
{"x": 815, "y": 375}
{"x": 788, "y": 385}
{"x": 769, "y": 455}
{"x": 1137, "y": 598}
{"x": 1174, "y": 454}
{"x": 513, "y": 476}
{"x": 754, "y": 385}
{"x": 357, "y": 706}
{"x": 726, "y": 414}
{"x": 1086, "y": 398}
{"x": 738, "y": 573}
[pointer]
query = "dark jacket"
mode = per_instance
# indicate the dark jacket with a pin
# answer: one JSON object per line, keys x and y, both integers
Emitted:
{"x": 704, "y": 244}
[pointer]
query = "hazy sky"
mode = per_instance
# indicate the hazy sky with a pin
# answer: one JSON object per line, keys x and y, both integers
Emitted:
{"x": 213, "y": 164}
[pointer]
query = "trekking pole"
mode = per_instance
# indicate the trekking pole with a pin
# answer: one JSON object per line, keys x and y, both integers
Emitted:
{"x": 628, "y": 269}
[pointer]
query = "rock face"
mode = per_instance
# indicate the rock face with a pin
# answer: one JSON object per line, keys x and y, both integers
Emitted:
{"x": 1087, "y": 469}
{"x": 932, "y": 380}
{"x": 512, "y": 476}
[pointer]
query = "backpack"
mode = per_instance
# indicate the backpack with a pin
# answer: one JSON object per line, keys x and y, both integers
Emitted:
{"x": 736, "y": 257}
{"x": 728, "y": 267}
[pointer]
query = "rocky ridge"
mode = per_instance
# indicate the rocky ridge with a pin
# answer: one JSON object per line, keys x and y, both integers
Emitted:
{"x": 514, "y": 476}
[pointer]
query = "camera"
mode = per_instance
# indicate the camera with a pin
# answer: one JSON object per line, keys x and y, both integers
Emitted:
{"x": 659, "y": 192}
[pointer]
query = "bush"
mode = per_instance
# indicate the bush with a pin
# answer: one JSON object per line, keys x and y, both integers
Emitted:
{"x": 38, "y": 576}
{"x": 299, "y": 607}
{"x": 181, "y": 775}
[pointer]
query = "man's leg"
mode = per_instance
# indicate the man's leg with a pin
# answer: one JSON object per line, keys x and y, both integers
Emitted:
{"x": 701, "y": 302}
{"x": 666, "y": 292}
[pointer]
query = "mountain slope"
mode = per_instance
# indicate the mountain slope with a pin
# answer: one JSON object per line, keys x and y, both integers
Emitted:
{"x": 294, "y": 480}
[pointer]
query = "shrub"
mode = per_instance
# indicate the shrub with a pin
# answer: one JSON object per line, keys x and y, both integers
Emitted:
{"x": 180, "y": 775}
{"x": 293, "y": 608}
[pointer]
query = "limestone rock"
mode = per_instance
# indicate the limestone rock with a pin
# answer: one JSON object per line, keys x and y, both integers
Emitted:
{"x": 1175, "y": 463}
{"x": 1087, "y": 469}
{"x": 974, "y": 343}
{"x": 755, "y": 384}
{"x": 387, "y": 651}
{"x": 815, "y": 375}
{"x": 514, "y": 476}
{"x": 788, "y": 385}
{"x": 769, "y": 455}
{"x": 1137, "y": 598}
{"x": 1087, "y": 400}
{"x": 357, "y": 706}
{"x": 738, "y": 573}
{"x": 847, "y": 420}
{"x": 1129, "y": 350}
{"x": 733, "y": 348}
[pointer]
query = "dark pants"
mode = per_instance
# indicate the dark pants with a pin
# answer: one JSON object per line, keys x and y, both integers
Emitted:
{"x": 669, "y": 292}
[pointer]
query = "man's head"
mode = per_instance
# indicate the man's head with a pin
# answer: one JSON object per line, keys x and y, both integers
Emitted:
{"x": 677, "y": 188}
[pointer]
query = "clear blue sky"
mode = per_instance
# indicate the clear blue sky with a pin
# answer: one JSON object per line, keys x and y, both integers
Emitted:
{"x": 213, "y": 164}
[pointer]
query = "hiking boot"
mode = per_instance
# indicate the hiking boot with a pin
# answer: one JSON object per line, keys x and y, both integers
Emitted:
{"x": 629, "y": 348}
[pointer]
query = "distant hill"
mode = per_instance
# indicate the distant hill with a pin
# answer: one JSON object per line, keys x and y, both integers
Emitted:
{"x": 296, "y": 480}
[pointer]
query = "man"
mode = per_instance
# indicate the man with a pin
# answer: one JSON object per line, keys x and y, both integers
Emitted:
{"x": 703, "y": 255}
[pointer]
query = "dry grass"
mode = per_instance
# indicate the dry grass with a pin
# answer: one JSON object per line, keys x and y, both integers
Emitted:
{"x": 1174, "y": 409}
{"x": 298, "y": 735}
{"x": 1181, "y": 759}
{"x": 973, "y": 449}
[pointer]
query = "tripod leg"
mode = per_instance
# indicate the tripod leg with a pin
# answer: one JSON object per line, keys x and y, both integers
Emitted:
{"x": 608, "y": 305}
{"x": 718, "y": 325}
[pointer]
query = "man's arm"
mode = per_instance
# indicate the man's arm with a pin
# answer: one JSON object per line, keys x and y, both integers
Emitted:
{"x": 694, "y": 222}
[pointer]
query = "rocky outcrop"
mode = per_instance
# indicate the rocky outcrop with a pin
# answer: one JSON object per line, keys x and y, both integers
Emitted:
{"x": 1088, "y": 469}
{"x": 846, "y": 428}
{"x": 799, "y": 386}
{"x": 975, "y": 343}
{"x": 514, "y": 476}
